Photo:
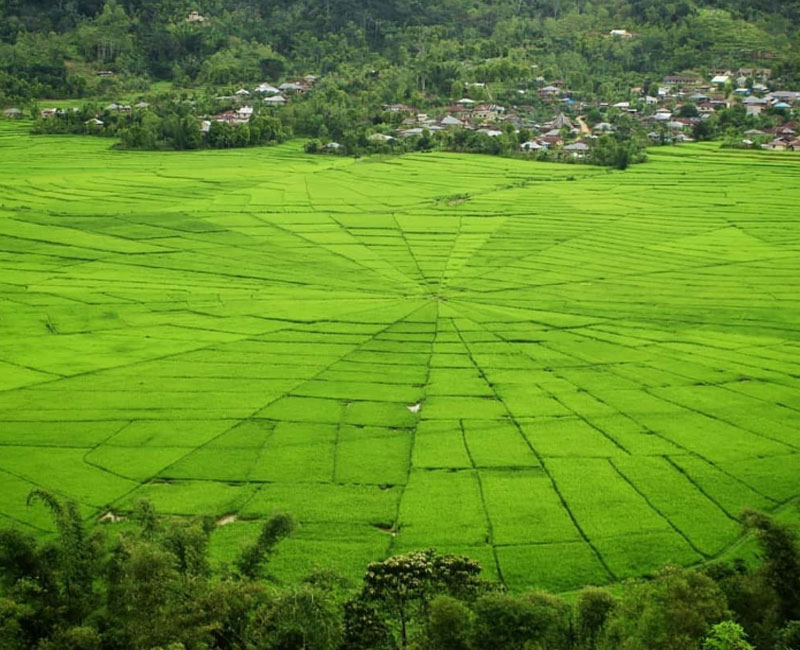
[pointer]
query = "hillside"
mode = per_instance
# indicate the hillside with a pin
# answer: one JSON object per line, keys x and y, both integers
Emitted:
{"x": 401, "y": 48}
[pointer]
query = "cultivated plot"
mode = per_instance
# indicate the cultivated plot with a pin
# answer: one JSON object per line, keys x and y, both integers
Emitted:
{"x": 572, "y": 375}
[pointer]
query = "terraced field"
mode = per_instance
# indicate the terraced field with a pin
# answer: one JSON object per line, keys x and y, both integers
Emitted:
{"x": 571, "y": 375}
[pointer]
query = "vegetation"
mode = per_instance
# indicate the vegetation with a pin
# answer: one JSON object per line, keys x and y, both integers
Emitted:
{"x": 151, "y": 587}
{"x": 395, "y": 349}
{"x": 51, "y": 49}
{"x": 557, "y": 376}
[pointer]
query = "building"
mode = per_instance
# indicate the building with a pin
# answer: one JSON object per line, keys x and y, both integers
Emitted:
{"x": 754, "y": 105}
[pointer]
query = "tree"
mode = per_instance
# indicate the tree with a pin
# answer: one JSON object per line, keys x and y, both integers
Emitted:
{"x": 403, "y": 586}
{"x": 503, "y": 622}
{"x": 789, "y": 637}
{"x": 365, "y": 628}
{"x": 593, "y": 609}
{"x": 252, "y": 559}
{"x": 77, "y": 555}
{"x": 553, "y": 620}
{"x": 703, "y": 130}
{"x": 727, "y": 636}
{"x": 448, "y": 625}
{"x": 780, "y": 556}
{"x": 671, "y": 612}
{"x": 299, "y": 617}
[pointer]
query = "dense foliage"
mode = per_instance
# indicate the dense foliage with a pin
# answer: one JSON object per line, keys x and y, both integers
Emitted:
{"x": 152, "y": 587}
{"x": 407, "y": 48}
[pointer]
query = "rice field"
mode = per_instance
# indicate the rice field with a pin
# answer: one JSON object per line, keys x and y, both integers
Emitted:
{"x": 572, "y": 375}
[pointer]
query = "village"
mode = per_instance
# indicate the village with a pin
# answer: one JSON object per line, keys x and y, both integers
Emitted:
{"x": 670, "y": 112}
{"x": 670, "y": 115}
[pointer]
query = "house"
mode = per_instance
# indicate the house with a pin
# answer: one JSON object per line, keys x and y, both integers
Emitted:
{"x": 705, "y": 109}
{"x": 267, "y": 89}
{"x": 49, "y": 112}
{"x": 577, "y": 149}
{"x": 275, "y": 100}
{"x": 399, "y": 108}
{"x": 561, "y": 121}
{"x": 449, "y": 120}
{"x": 242, "y": 92}
{"x": 620, "y": 33}
{"x": 12, "y": 113}
{"x": 754, "y": 105}
{"x": 292, "y": 87}
{"x": 532, "y": 145}
{"x": 551, "y": 141}
{"x": 119, "y": 108}
{"x": 465, "y": 102}
{"x": 603, "y": 127}
{"x": 650, "y": 100}
{"x": 762, "y": 74}
{"x": 228, "y": 117}
{"x": 549, "y": 91}
{"x": 720, "y": 79}
{"x": 787, "y": 96}
{"x": 488, "y": 111}
{"x": 244, "y": 113}
{"x": 492, "y": 133}
{"x": 794, "y": 145}
{"x": 407, "y": 133}
{"x": 105, "y": 73}
{"x": 195, "y": 18}
{"x": 380, "y": 137}
{"x": 778, "y": 144}
{"x": 680, "y": 79}
{"x": 141, "y": 106}
{"x": 94, "y": 122}
{"x": 785, "y": 131}
{"x": 333, "y": 146}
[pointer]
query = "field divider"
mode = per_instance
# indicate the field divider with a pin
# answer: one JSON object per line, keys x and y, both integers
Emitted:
{"x": 482, "y": 491}
{"x": 538, "y": 456}
{"x": 396, "y": 524}
{"x": 699, "y": 488}
{"x": 649, "y": 503}
{"x": 423, "y": 280}
{"x": 711, "y": 416}
{"x": 252, "y": 417}
{"x": 349, "y": 260}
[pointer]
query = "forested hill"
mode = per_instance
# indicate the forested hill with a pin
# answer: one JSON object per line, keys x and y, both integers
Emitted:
{"x": 57, "y": 48}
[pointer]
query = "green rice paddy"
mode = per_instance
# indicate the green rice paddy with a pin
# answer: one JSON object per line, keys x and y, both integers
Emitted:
{"x": 571, "y": 375}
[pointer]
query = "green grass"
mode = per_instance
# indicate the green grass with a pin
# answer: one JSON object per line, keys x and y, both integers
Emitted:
{"x": 574, "y": 382}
